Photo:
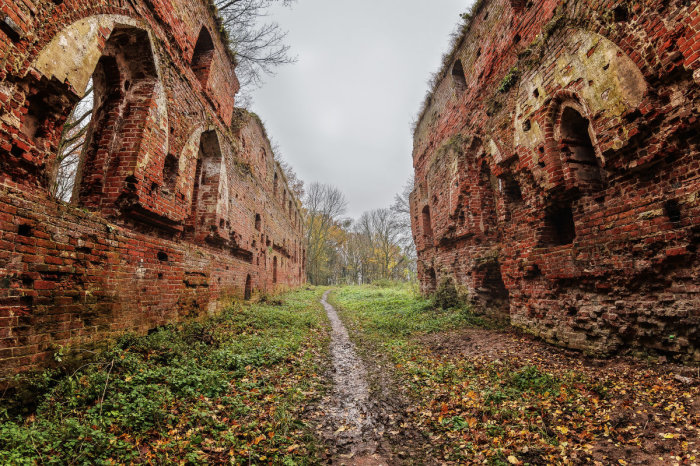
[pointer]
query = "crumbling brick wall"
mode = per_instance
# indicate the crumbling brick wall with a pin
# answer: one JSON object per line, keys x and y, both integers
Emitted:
{"x": 178, "y": 201}
{"x": 558, "y": 171}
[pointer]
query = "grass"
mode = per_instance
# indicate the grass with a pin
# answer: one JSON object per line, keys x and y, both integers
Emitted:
{"x": 230, "y": 389}
{"x": 233, "y": 389}
{"x": 398, "y": 312}
{"x": 506, "y": 408}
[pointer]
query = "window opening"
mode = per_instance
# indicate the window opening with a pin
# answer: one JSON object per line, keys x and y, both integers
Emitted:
{"x": 458, "y": 77}
{"x": 578, "y": 150}
{"x": 203, "y": 56}
{"x": 73, "y": 141}
{"x": 427, "y": 223}
{"x": 560, "y": 228}
{"x": 248, "y": 288}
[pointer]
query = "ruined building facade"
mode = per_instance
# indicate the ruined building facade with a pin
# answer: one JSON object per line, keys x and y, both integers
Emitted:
{"x": 558, "y": 171}
{"x": 177, "y": 199}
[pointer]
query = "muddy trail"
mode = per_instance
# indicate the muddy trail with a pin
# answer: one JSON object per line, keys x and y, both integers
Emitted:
{"x": 365, "y": 419}
{"x": 349, "y": 422}
{"x": 371, "y": 416}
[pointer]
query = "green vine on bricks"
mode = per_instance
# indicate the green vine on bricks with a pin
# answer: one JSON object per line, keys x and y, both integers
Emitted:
{"x": 509, "y": 80}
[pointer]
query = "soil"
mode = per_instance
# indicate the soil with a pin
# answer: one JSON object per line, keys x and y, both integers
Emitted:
{"x": 347, "y": 420}
{"x": 523, "y": 349}
{"x": 367, "y": 416}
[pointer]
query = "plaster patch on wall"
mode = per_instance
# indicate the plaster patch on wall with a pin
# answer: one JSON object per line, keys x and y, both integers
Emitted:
{"x": 73, "y": 54}
{"x": 613, "y": 84}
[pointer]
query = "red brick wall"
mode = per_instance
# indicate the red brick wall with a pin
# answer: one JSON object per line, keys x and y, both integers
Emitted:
{"x": 163, "y": 221}
{"x": 563, "y": 177}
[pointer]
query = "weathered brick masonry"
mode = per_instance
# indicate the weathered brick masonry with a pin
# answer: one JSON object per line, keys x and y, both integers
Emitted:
{"x": 178, "y": 200}
{"x": 558, "y": 171}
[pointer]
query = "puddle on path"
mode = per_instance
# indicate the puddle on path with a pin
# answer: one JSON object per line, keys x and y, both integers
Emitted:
{"x": 350, "y": 421}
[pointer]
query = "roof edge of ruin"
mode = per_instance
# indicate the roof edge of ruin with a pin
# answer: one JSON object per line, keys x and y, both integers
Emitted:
{"x": 457, "y": 41}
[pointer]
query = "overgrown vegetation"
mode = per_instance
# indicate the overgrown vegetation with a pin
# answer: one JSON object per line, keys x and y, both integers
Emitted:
{"x": 446, "y": 296}
{"x": 484, "y": 397}
{"x": 398, "y": 311}
{"x": 230, "y": 389}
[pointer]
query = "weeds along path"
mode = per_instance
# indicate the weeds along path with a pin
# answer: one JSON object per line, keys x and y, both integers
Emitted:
{"x": 350, "y": 420}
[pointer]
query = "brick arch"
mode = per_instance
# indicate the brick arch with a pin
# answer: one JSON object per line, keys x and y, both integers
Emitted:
{"x": 596, "y": 76}
{"x": 119, "y": 52}
{"x": 69, "y": 16}
{"x": 562, "y": 173}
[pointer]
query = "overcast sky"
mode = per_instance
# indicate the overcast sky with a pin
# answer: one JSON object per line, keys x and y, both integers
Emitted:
{"x": 342, "y": 114}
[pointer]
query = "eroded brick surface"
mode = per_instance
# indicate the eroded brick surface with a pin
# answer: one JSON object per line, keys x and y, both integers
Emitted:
{"x": 178, "y": 201}
{"x": 558, "y": 175}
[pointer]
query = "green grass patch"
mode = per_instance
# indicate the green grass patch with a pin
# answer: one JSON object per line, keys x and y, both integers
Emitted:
{"x": 398, "y": 312}
{"x": 229, "y": 389}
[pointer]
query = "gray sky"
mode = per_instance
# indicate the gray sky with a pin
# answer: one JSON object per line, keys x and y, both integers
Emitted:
{"x": 342, "y": 114}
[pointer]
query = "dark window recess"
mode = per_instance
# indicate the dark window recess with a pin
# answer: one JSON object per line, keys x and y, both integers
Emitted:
{"x": 170, "y": 171}
{"x": 511, "y": 188}
{"x": 621, "y": 13}
{"x": 493, "y": 282}
{"x": 24, "y": 230}
{"x": 577, "y": 149}
{"x": 559, "y": 228}
{"x": 162, "y": 256}
{"x": 203, "y": 56}
{"x": 458, "y": 78}
{"x": 258, "y": 222}
{"x": 248, "y": 288}
{"x": 427, "y": 223}
{"x": 673, "y": 210}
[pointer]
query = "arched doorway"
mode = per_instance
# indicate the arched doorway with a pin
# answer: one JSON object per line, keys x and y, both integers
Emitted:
{"x": 274, "y": 270}
{"x": 248, "y": 293}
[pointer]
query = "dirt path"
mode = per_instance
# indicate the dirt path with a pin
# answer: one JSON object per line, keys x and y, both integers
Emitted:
{"x": 349, "y": 423}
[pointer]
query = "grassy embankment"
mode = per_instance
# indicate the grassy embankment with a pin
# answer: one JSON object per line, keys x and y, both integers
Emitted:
{"x": 512, "y": 399}
{"x": 229, "y": 389}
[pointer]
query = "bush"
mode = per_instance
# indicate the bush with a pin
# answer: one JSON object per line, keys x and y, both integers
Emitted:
{"x": 446, "y": 296}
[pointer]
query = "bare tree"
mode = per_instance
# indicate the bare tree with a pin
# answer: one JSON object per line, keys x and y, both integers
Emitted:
{"x": 385, "y": 235}
{"x": 259, "y": 45}
{"x": 70, "y": 147}
{"x": 401, "y": 209}
{"x": 324, "y": 205}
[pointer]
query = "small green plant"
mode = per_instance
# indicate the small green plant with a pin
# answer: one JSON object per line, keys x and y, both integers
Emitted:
{"x": 509, "y": 80}
{"x": 446, "y": 296}
{"x": 530, "y": 378}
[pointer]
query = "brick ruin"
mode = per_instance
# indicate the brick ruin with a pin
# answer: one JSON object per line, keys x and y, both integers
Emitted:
{"x": 178, "y": 201}
{"x": 558, "y": 171}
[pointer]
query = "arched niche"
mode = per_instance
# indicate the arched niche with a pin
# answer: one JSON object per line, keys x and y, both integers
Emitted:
{"x": 607, "y": 83}
{"x": 203, "y": 56}
{"x": 209, "y": 199}
{"x": 117, "y": 53}
{"x": 427, "y": 224}
{"x": 459, "y": 80}
{"x": 575, "y": 141}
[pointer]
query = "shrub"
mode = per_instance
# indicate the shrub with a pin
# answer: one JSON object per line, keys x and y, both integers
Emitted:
{"x": 446, "y": 296}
